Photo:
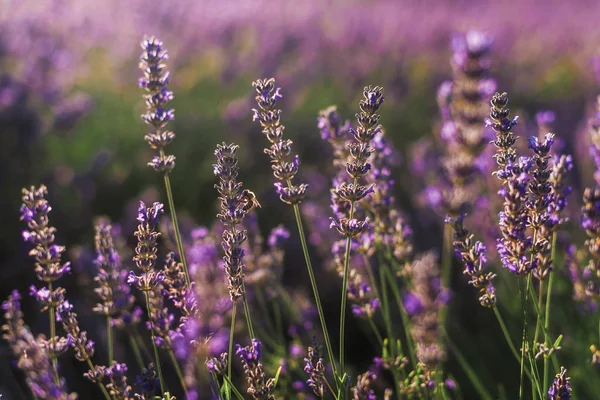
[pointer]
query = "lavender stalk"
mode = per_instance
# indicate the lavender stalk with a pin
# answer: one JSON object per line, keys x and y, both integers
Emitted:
{"x": 269, "y": 117}
{"x": 154, "y": 81}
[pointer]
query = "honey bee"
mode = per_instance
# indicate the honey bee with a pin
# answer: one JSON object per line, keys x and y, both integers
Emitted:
{"x": 249, "y": 200}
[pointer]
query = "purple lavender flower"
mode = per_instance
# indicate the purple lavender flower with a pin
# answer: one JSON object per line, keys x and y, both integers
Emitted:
{"x": 46, "y": 254}
{"x": 114, "y": 293}
{"x": 363, "y": 390}
{"x": 148, "y": 382}
{"x": 147, "y": 248}
{"x": 84, "y": 348}
{"x": 259, "y": 387}
{"x": 561, "y": 387}
{"x": 235, "y": 204}
{"x": 473, "y": 256}
{"x": 269, "y": 117}
{"x": 315, "y": 368}
{"x": 154, "y": 81}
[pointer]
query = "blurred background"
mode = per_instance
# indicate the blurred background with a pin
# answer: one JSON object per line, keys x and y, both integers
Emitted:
{"x": 70, "y": 111}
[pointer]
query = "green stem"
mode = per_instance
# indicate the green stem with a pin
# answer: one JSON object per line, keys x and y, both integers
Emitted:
{"x": 344, "y": 300}
{"x": 509, "y": 341}
{"x": 230, "y": 355}
{"x": 136, "y": 351}
{"x": 109, "y": 341}
{"x": 548, "y": 305}
{"x": 52, "y": 317}
{"x": 375, "y": 331}
{"x": 524, "y": 335}
{"x": 233, "y": 388}
{"x": 100, "y": 384}
{"x": 313, "y": 283}
{"x": 248, "y": 317}
{"x": 140, "y": 340}
{"x": 539, "y": 322}
{"x": 178, "y": 371}
{"x": 156, "y": 357}
{"x": 217, "y": 384}
{"x": 175, "y": 223}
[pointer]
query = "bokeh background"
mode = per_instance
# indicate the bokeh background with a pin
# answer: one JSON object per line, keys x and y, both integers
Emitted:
{"x": 70, "y": 115}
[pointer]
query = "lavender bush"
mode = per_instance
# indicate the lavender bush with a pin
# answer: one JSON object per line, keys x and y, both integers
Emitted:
{"x": 178, "y": 298}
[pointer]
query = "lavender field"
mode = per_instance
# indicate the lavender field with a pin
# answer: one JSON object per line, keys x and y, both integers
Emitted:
{"x": 300, "y": 200}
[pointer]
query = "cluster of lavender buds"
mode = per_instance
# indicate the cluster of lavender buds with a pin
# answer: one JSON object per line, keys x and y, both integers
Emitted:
{"x": 561, "y": 387}
{"x": 117, "y": 385}
{"x": 540, "y": 189}
{"x": 363, "y": 390}
{"x": 32, "y": 354}
{"x": 594, "y": 131}
{"x": 148, "y": 382}
{"x": 235, "y": 204}
{"x": 46, "y": 254}
{"x": 346, "y": 194}
{"x": 315, "y": 368}
{"x": 147, "y": 248}
{"x": 365, "y": 303}
{"x": 473, "y": 255}
{"x": 590, "y": 222}
{"x": 514, "y": 246}
{"x": 115, "y": 294}
{"x": 158, "y": 115}
{"x": 177, "y": 289}
{"x": 84, "y": 348}
{"x": 463, "y": 105}
{"x": 259, "y": 387}
{"x": 423, "y": 305}
{"x": 161, "y": 320}
{"x": 269, "y": 117}
{"x": 336, "y": 133}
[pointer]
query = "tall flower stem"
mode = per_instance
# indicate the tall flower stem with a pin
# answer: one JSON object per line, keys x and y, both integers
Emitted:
{"x": 313, "y": 284}
{"x": 52, "y": 318}
{"x": 230, "y": 354}
{"x": 175, "y": 223}
{"x": 178, "y": 372}
{"x": 136, "y": 351}
{"x": 109, "y": 340}
{"x": 345, "y": 292}
{"x": 156, "y": 357}
{"x": 548, "y": 305}
{"x": 248, "y": 317}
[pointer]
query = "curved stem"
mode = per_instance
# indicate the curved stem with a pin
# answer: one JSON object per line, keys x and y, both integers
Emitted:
{"x": 178, "y": 371}
{"x": 548, "y": 305}
{"x": 175, "y": 223}
{"x": 156, "y": 357}
{"x": 109, "y": 341}
{"x": 231, "y": 332}
{"x": 313, "y": 283}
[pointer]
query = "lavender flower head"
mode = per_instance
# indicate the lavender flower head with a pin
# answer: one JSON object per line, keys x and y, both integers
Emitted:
{"x": 473, "y": 255}
{"x": 363, "y": 390}
{"x": 114, "y": 293}
{"x": 347, "y": 193}
{"x": 561, "y": 387}
{"x": 259, "y": 387}
{"x": 158, "y": 115}
{"x": 147, "y": 248}
{"x": 235, "y": 204}
{"x": 285, "y": 167}
{"x": 315, "y": 368}
{"x": 46, "y": 254}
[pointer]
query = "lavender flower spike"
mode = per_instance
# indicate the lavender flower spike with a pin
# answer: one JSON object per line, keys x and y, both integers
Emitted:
{"x": 315, "y": 369}
{"x": 259, "y": 387}
{"x": 147, "y": 248}
{"x": 561, "y": 387}
{"x": 235, "y": 204}
{"x": 284, "y": 166}
{"x": 158, "y": 115}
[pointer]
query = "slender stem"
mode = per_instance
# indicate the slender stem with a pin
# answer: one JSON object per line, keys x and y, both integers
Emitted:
{"x": 513, "y": 349}
{"x": 344, "y": 300}
{"x": 109, "y": 340}
{"x": 175, "y": 223}
{"x": 136, "y": 351}
{"x": 216, "y": 381}
{"x": 446, "y": 267}
{"x": 522, "y": 290}
{"x": 230, "y": 355}
{"x": 548, "y": 305}
{"x": 52, "y": 318}
{"x": 156, "y": 357}
{"x": 178, "y": 371}
{"x": 233, "y": 388}
{"x": 313, "y": 283}
{"x": 375, "y": 331}
{"x": 140, "y": 340}
{"x": 405, "y": 320}
{"x": 539, "y": 323}
{"x": 248, "y": 317}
